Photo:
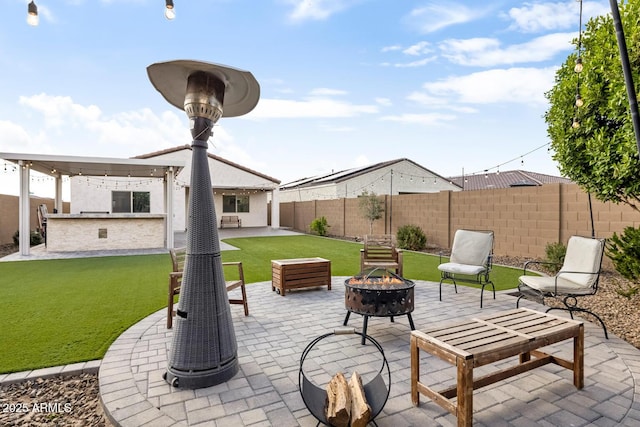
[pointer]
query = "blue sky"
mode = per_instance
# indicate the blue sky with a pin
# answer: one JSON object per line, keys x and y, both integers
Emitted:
{"x": 451, "y": 85}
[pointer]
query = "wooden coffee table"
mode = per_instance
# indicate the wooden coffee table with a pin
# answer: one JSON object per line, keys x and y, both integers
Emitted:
{"x": 487, "y": 339}
{"x": 296, "y": 273}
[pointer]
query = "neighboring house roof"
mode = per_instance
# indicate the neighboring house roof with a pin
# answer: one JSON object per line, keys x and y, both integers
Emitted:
{"x": 212, "y": 156}
{"x": 506, "y": 179}
{"x": 344, "y": 175}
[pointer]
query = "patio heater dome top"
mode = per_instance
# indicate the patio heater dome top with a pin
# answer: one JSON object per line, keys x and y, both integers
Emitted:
{"x": 242, "y": 90}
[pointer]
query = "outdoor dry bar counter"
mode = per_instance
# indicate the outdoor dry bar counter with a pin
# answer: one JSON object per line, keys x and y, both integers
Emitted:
{"x": 104, "y": 231}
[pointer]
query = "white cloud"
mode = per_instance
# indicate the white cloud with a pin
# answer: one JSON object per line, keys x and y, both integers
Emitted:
{"x": 385, "y": 102}
{"x": 513, "y": 85}
{"x": 391, "y": 48}
{"x": 419, "y": 63}
{"x": 429, "y": 119}
{"x": 431, "y": 101}
{"x": 14, "y": 138}
{"x": 317, "y": 10}
{"x": 438, "y": 15}
{"x": 59, "y": 110}
{"x": 84, "y": 130}
{"x": 488, "y": 52}
{"x": 310, "y": 108}
{"x": 552, "y": 16}
{"x": 420, "y": 48}
{"x": 327, "y": 92}
{"x": 333, "y": 128}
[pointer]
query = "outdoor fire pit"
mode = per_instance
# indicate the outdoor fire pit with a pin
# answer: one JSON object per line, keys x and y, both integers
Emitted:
{"x": 378, "y": 293}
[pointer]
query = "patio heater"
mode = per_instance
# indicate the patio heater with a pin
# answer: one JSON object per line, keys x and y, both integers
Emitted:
{"x": 204, "y": 351}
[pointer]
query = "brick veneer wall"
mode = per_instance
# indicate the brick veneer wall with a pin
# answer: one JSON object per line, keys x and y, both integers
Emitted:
{"x": 90, "y": 234}
{"x": 524, "y": 219}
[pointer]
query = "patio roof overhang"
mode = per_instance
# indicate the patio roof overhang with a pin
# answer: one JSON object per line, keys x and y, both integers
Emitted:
{"x": 54, "y": 165}
{"x": 58, "y": 166}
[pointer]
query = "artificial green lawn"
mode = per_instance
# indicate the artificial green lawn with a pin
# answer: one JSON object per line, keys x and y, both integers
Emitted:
{"x": 70, "y": 310}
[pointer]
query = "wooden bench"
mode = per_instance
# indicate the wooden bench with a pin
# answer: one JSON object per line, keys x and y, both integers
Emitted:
{"x": 230, "y": 221}
{"x": 380, "y": 251}
{"x": 297, "y": 273}
{"x": 488, "y": 339}
{"x": 178, "y": 259}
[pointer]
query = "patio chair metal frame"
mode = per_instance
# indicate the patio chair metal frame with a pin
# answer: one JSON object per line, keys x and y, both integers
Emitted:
{"x": 562, "y": 286}
{"x": 456, "y": 270}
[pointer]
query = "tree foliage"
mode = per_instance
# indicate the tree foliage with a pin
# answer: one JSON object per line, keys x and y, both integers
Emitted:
{"x": 371, "y": 207}
{"x": 601, "y": 154}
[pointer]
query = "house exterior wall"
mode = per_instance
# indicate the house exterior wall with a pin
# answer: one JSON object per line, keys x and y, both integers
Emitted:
{"x": 225, "y": 179}
{"x": 93, "y": 194}
{"x": 400, "y": 178}
{"x": 257, "y": 215}
{"x": 317, "y": 192}
{"x": 524, "y": 219}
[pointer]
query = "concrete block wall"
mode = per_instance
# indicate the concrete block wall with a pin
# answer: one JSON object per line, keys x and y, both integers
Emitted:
{"x": 9, "y": 217}
{"x": 524, "y": 219}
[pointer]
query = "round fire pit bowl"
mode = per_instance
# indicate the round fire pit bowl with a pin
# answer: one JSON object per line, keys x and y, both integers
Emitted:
{"x": 378, "y": 293}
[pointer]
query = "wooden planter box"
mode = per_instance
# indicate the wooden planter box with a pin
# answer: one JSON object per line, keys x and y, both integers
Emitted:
{"x": 296, "y": 273}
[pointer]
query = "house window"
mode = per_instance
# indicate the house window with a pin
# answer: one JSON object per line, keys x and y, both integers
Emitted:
{"x": 130, "y": 201}
{"x": 232, "y": 204}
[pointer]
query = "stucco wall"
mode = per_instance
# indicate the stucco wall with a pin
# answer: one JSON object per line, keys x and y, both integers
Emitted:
{"x": 399, "y": 178}
{"x": 257, "y": 215}
{"x": 93, "y": 194}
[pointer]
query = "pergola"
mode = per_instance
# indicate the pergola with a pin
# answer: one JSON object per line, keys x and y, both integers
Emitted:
{"x": 59, "y": 166}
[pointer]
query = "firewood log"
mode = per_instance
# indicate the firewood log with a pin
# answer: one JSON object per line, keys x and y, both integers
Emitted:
{"x": 360, "y": 409}
{"x": 338, "y": 408}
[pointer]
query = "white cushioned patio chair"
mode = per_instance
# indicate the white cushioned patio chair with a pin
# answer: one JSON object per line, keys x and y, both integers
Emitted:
{"x": 470, "y": 260}
{"x": 578, "y": 277}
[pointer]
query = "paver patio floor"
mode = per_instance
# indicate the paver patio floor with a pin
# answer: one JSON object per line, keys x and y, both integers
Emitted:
{"x": 270, "y": 342}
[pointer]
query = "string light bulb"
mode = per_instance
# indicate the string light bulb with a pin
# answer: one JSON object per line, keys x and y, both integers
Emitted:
{"x": 32, "y": 14}
{"x": 578, "y": 67}
{"x": 579, "y": 101}
{"x": 576, "y": 123}
{"x": 169, "y": 11}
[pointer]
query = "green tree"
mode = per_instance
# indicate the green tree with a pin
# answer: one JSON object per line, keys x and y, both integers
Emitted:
{"x": 371, "y": 207}
{"x": 600, "y": 155}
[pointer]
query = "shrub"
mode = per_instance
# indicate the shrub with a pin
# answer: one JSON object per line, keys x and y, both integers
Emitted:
{"x": 34, "y": 240}
{"x": 555, "y": 253}
{"x": 411, "y": 237}
{"x": 624, "y": 252}
{"x": 320, "y": 226}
